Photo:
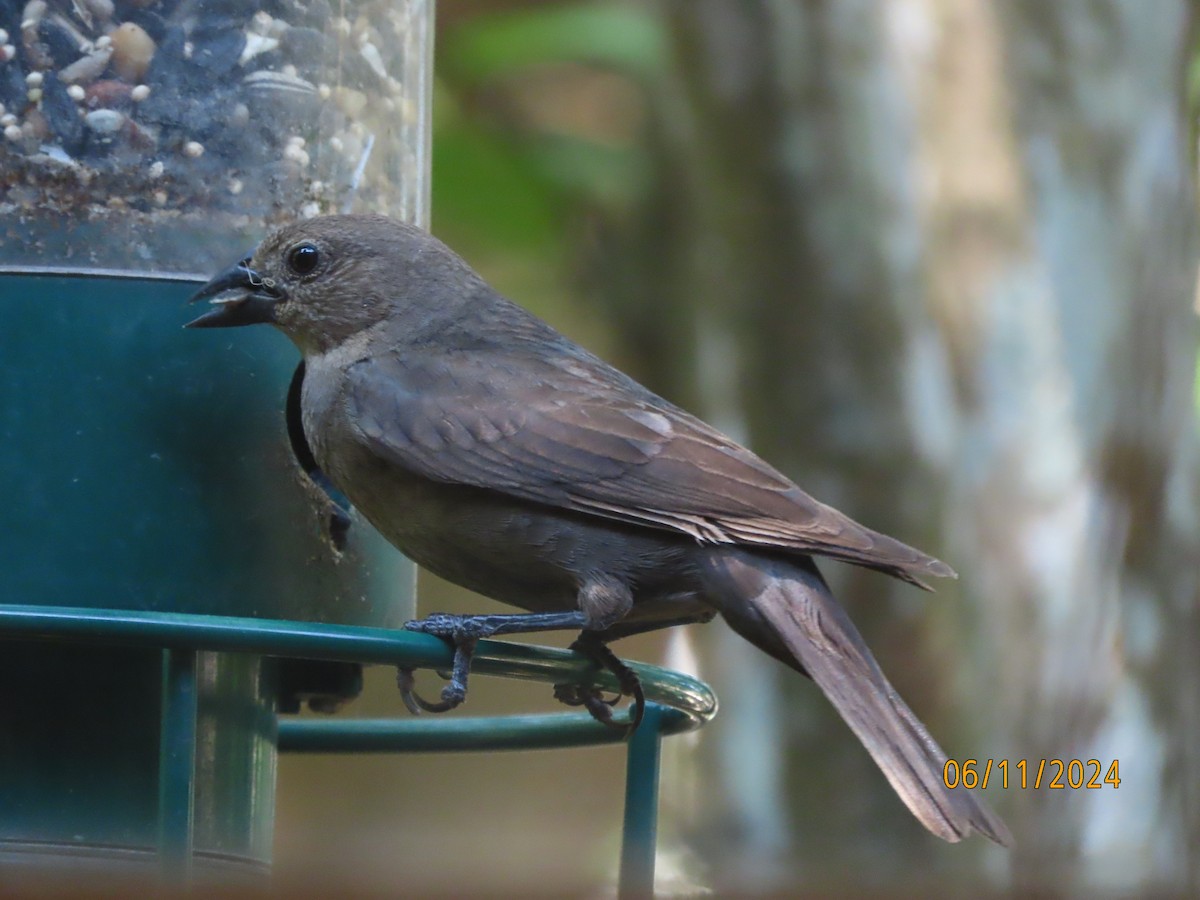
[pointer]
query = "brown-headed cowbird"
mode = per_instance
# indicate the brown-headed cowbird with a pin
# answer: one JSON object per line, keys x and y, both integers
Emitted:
{"x": 507, "y": 459}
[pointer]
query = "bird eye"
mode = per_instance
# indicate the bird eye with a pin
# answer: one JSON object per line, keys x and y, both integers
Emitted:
{"x": 303, "y": 259}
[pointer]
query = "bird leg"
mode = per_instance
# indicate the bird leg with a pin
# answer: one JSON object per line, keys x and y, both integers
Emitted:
{"x": 590, "y": 644}
{"x": 463, "y": 633}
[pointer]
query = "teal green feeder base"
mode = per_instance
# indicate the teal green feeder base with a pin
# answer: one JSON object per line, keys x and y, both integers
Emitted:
{"x": 189, "y": 644}
{"x": 145, "y": 469}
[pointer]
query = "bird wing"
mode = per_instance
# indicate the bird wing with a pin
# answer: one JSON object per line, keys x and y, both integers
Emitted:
{"x": 567, "y": 430}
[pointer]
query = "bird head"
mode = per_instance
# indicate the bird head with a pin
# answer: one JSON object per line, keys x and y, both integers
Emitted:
{"x": 324, "y": 280}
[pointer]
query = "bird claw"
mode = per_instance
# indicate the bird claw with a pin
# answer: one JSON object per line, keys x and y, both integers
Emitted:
{"x": 453, "y": 694}
{"x": 408, "y": 691}
{"x": 600, "y": 707}
{"x": 592, "y": 699}
{"x": 574, "y": 695}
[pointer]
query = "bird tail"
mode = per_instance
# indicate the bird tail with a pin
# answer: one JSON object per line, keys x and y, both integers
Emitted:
{"x": 784, "y": 607}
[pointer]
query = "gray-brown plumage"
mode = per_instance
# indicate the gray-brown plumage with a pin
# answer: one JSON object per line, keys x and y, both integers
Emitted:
{"x": 500, "y": 455}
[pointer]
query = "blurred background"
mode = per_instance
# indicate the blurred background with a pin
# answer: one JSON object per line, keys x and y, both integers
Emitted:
{"x": 934, "y": 259}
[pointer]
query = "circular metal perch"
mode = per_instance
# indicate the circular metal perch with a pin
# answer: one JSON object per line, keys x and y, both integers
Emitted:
{"x": 675, "y": 703}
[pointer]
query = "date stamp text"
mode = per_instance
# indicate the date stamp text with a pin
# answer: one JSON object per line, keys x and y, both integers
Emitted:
{"x": 1054, "y": 774}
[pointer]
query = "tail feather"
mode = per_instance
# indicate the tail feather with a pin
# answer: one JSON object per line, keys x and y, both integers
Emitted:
{"x": 785, "y": 607}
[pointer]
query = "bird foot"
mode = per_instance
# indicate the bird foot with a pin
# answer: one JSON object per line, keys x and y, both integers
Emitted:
{"x": 449, "y": 628}
{"x": 592, "y": 699}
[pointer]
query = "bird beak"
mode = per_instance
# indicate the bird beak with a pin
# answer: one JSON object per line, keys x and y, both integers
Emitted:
{"x": 240, "y": 296}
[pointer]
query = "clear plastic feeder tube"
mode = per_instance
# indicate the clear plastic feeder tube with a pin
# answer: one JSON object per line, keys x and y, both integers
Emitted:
{"x": 143, "y": 137}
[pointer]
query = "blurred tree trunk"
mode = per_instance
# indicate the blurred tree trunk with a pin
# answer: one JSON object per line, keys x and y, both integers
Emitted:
{"x": 936, "y": 260}
{"x": 1082, "y": 419}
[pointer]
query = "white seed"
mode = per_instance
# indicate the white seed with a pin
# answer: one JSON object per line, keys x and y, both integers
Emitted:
{"x": 33, "y": 13}
{"x": 311, "y": 209}
{"x": 7, "y": 119}
{"x": 76, "y": 92}
{"x": 104, "y": 121}
{"x": 256, "y": 44}
{"x": 156, "y": 169}
{"x": 34, "y": 79}
{"x": 139, "y": 93}
{"x": 296, "y": 154}
{"x": 34, "y": 95}
{"x": 160, "y": 198}
{"x": 235, "y": 186}
{"x": 193, "y": 149}
{"x": 3, "y": 36}
{"x": 290, "y": 71}
{"x": 296, "y": 140}
{"x": 12, "y": 132}
{"x": 324, "y": 91}
{"x": 7, "y": 52}
{"x": 87, "y": 68}
{"x": 374, "y": 59}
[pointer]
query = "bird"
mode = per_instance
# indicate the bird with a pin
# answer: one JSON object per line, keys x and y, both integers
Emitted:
{"x": 497, "y": 453}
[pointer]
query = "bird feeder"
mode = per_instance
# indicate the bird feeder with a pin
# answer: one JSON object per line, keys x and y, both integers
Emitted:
{"x": 145, "y": 144}
{"x": 165, "y": 567}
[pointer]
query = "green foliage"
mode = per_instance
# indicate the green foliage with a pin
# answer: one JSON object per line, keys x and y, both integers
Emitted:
{"x": 623, "y": 37}
{"x": 486, "y": 189}
{"x": 503, "y": 185}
